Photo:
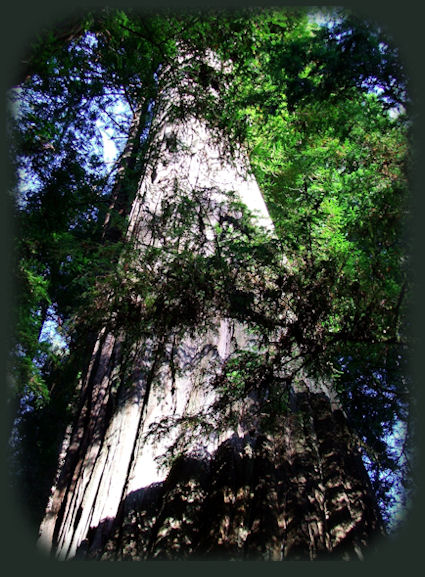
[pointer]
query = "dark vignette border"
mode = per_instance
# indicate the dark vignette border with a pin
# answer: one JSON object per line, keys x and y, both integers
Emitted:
{"x": 21, "y": 21}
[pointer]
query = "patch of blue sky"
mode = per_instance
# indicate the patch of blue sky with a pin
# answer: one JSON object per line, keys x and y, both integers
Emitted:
{"x": 324, "y": 16}
{"x": 395, "y": 511}
{"x": 52, "y": 334}
{"x": 110, "y": 150}
{"x": 113, "y": 119}
{"x": 28, "y": 184}
{"x": 396, "y": 441}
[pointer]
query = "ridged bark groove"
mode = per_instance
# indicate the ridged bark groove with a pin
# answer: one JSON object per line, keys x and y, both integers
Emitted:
{"x": 257, "y": 497}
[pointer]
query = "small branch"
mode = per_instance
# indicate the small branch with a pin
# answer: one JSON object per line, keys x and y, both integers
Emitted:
{"x": 400, "y": 300}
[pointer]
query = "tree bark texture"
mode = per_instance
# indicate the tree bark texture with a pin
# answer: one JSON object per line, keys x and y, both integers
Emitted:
{"x": 232, "y": 490}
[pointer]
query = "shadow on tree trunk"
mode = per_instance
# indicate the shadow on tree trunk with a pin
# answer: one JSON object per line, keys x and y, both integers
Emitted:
{"x": 300, "y": 494}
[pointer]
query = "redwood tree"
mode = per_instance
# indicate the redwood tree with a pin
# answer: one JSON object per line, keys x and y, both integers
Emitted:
{"x": 213, "y": 328}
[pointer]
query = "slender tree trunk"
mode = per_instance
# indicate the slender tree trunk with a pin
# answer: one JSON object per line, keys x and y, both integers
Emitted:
{"x": 237, "y": 490}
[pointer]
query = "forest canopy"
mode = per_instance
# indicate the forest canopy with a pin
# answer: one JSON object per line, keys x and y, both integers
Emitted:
{"x": 319, "y": 102}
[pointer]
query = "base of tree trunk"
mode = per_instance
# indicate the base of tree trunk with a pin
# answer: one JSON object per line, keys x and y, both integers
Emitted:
{"x": 301, "y": 494}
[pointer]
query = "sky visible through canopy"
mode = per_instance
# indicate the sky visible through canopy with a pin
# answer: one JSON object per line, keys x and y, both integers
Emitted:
{"x": 110, "y": 116}
{"x": 112, "y": 143}
{"x": 110, "y": 149}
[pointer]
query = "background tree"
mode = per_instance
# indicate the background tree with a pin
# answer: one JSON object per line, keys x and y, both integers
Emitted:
{"x": 322, "y": 296}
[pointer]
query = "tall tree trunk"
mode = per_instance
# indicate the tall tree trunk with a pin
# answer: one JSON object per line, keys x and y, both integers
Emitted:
{"x": 234, "y": 488}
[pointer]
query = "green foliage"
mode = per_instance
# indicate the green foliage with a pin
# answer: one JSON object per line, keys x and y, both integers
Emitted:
{"x": 334, "y": 177}
{"x": 243, "y": 371}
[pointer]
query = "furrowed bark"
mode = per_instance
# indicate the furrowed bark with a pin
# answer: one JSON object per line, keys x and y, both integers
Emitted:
{"x": 237, "y": 490}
